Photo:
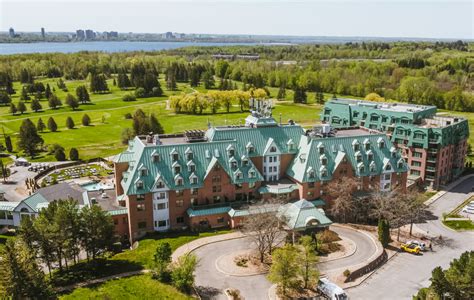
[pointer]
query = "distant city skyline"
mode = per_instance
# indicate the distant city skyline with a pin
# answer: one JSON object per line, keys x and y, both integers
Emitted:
{"x": 351, "y": 18}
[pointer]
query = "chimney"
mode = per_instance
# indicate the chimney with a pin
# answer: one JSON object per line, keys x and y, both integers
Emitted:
{"x": 149, "y": 138}
{"x": 156, "y": 140}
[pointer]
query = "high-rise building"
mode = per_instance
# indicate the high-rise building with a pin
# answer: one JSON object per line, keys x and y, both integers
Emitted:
{"x": 80, "y": 35}
{"x": 90, "y": 34}
{"x": 434, "y": 146}
{"x": 11, "y": 32}
{"x": 43, "y": 34}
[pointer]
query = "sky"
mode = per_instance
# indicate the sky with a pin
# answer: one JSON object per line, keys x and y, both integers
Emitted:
{"x": 375, "y": 18}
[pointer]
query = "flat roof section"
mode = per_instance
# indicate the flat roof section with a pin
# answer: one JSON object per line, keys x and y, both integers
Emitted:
{"x": 387, "y": 106}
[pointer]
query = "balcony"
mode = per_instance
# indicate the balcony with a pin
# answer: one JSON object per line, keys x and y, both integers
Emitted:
{"x": 431, "y": 169}
{"x": 433, "y": 150}
{"x": 431, "y": 159}
{"x": 434, "y": 141}
{"x": 429, "y": 178}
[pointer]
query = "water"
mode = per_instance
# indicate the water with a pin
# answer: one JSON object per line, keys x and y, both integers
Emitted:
{"x": 123, "y": 46}
{"x": 93, "y": 186}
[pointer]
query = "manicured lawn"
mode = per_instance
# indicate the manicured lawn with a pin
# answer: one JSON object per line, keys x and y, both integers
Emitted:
{"x": 143, "y": 255}
{"x": 136, "y": 287}
{"x": 460, "y": 225}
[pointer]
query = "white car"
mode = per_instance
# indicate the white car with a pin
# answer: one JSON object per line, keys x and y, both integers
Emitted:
{"x": 418, "y": 243}
{"x": 468, "y": 210}
{"x": 331, "y": 290}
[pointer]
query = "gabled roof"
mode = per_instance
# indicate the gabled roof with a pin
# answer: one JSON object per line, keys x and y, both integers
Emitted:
{"x": 300, "y": 215}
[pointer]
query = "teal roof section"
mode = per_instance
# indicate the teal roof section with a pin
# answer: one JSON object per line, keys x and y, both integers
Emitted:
{"x": 303, "y": 214}
{"x": 308, "y": 166}
{"x": 259, "y": 137}
{"x": 177, "y": 174}
{"x": 277, "y": 189}
{"x": 117, "y": 212}
{"x": 35, "y": 201}
{"x": 8, "y": 206}
{"x": 258, "y": 209}
{"x": 194, "y": 212}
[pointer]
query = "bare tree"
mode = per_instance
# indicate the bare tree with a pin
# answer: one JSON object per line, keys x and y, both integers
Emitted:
{"x": 415, "y": 208}
{"x": 342, "y": 194}
{"x": 382, "y": 205}
{"x": 263, "y": 226}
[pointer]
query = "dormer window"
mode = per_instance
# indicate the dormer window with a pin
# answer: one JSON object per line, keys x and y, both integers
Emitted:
{"x": 143, "y": 172}
{"x": 189, "y": 153}
{"x": 370, "y": 155}
{"x": 160, "y": 185}
{"x": 178, "y": 180}
{"x": 193, "y": 179}
{"x": 245, "y": 161}
{"x": 367, "y": 144}
{"x": 191, "y": 166}
{"x": 139, "y": 184}
{"x": 401, "y": 163}
{"x": 393, "y": 151}
{"x": 372, "y": 167}
{"x": 250, "y": 148}
{"x": 358, "y": 157}
{"x": 233, "y": 164}
{"x": 273, "y": 149}
{"x": 321, "y": 148}
{"x": 291, "y": 145}
{"x": 238, "y": 175}
{"x": 355, "y": 145}
{"x": 324, "y": 160}
{"x": 230, "y": 151}
{"x": 311, "y": 174}
{"x": 381, "y": 143}
{"x": 361, "y": 168}
{"x": 252, "y": 174}
{"x": 324, "y": 173}
{"x": 156, "y": 157}
{"x": 176, "y": 168}
{"x": 388, "y": 167}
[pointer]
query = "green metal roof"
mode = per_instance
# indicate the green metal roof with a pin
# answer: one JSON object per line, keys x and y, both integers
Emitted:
{"x": 318, "y": 202}
{"x": 205, "y": 154}
{"x": 117, "y": 212}
{"x": 254, "y": 210}
{"x": 275, "y": 190}
{"x": 308, "y": 160}
{"x": 207, "y": 211}
{"x": 8, "y": 206}
{"x": 34, "y": 201}
{"x": 258, "y": 137}
{"x": 300, "y": 213}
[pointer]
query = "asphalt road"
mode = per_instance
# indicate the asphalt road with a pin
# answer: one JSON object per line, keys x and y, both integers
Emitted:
{"x": 212, "y": 282}
{"x": 405, "y": 274}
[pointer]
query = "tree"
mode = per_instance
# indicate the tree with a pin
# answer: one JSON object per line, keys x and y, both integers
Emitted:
{"x": 308, "y": 259}
{"x": 86, "y": 120}
{"x": 52, "y": 126}
{"x": 4, "y": 171}
{"x": 13, "y": 109}
{"x": 40, "y": 126}
{"x": 208, "y": 80}
{"x": 127, "y": 135}
{"x": 20, "y": 275}
{"x": 70, "y": 123}
{"x": 284, "y": 269}
{"x": 374, "y": 97}
{"x": 54, "y": 102}
{"x": 8, "y": 143}
{"x": 21, "y": 107}
{"x": 47, "y": 92}
{"x": 299, "y": 95}
{"x": 98, "y": 84}
{"x": 343, "y": 204}
{"x": 60, "y": 155}
{"x": 97, "y": 231}
{"x": 29, "y": 139}
{"x": 5, "y": 98}
{"x": 182, "y": 272}
{"x": 139, "y": 93}
{"x": 281, "y": 92}
{"x": 320, "y": 97}
{"x": 130, "y": 97}
{"x": 82, "y": 94}
{"x": 73, "y": 154}
{"x": 162, "y": 260}
{"x": 155, "y": 125}
{"x": 171, "y": 80}
{"x": 36, "y": 105}
{"x": 263, "y": 228}
{"x": 72, "y": 101}
{"x": 24, "y": 94}
{"x": 384, "y": 232}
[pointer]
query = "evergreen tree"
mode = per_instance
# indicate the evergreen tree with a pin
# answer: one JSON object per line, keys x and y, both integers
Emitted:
{"x": 6, "y": 83}
{"x": 86, "y": 120}
{"x": 47, "y": 92}
{"x": 5, "y": 98}
{"x": 281, "y": 92}
{"x": 24, "y": 94}
{"x": 171, "y": 81}
{"x": 320, "y": 97}
{"x": 62, "y": 85}
{"x": 4, "y": 171}
{"x": 299, "y": 95}
{"x": 20, "y": 275}
{"x": 52, "y": 126}
{"x": 36, "y": 105}
{"x": 162, "y": 260}
{"x": 82, "y": 94}
{"x": 40, "y": 126}
{"x": 98, "y": 84}
{"x": 8, "y": 143}
{"x": 13, "y": 110}
{"x": 155, "y": 125}
{"x": 72, "y": 102}
{"x": 384, "y": 232}
{"x": 54, "y": 102}
{"x": 25, "y": 76}
{"x": 21, "y": 107}
{"x": 28, "y": 138}
{"x": 182, "y": 274}
{"x": 60, "y": 155}
{"x": 123, "y": 82}
{"x": 194, "y": 77}
{"x": 114, "y": 82}
{"x": 73, "y": 154}
{"x": 208, "y": 80}
{"x": 97, "y": 231}
{"x": 70, "y": 123}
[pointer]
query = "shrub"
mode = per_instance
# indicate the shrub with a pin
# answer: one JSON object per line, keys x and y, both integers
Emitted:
{"x": 140, "y": 93}
{"x": 346, "y": 273}
{"x": 128, "y": 116}
{"x": 53, "y": 147}
{"x": 73, "y": 154}
{"x": 328, "y": 236}
{"x": 70, "y": 123}
{"x": 86, "y": 120}
{"x": 129, "y": 97}
{"x": 60, "y": 155}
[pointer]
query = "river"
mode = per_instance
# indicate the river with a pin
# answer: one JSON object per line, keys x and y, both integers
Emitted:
{"x": 121, "y": 46}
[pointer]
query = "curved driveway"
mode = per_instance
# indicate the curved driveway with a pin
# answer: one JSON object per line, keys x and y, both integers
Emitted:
{"x": 211, "y": 282}
{"x": 405, "y": 274}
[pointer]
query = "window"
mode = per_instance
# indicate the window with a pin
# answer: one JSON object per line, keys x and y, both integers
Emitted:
{"x": 324, "y": 161}
{"x": 367, "y": 146}
{"x": 194, "y": 180}
{"x": 386, "y": 176}
{"x": 141, "y": 225}
{"x": 216, "y": 188}
{"x": 139, "y": 184}
{"x": 161, "y": 196}
{"x": 324, "y": 173}
{"x": 190, "y": 156}
{"x": 359, "y": 157}
{"x": 177, "y": 169}
{"x": 179, "y": 193}
{"x": 180, "y": 220}
{"x": 321, "y": 150}
{"x": 191, "y": 168}
{"x": 388, "y": 168}
{"x": 361, "y": 169}
{"x": 160, "y": 185}
{"x": 370, "y": 156}
{"x": 179, "y": 181}
{"x": 233, "y": 164}
{"x": 162, "y": 223}
{"x": 194, "y": 191}
{"x": 143, "y": 172}
{"x": 175, "y": 157}
{"x": 417, "y": 154}
{"x": 179, "y": 203}
{"x": 238, "y": 175}
{"x": 140, "y": 197}
{"x": 416, "y": 163}
{"x": 220, "y": 220}
{"x": 270, "y": 159}
{"x": 273, "y": 149}
{"x": 311, "y": 184}
{"x": 415, "y": 172}
{"x": 161, "y": 206}
{"x": 311, "y": 174}
{"x": 216, "y": 178}
{"x": 140, "y": 207}
{"x": 252, "y": 174}
{"x": 194, "y": 201}
{"x": 245, "y": 162}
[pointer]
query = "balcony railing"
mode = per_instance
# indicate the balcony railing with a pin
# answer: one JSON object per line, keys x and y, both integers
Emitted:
{"x": 431, "y": 169}
{"x": 434, "y": 141}
{"x": 431, "y": 159}
{"x": 428, "y": 177}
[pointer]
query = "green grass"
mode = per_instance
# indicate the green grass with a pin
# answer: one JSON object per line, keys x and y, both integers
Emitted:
{"x": 136, "y": 287}
{"x": 143, "y": 255}
{"x": 460, "y": 224}
{"x": 102, "y": 139}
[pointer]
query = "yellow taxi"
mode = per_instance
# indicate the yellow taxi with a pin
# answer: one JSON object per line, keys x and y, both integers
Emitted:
{"x": 411, "y": 248}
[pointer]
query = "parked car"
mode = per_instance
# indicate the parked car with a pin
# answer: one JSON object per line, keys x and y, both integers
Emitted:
{"x": 411, "y": 248}
{"x": 418, "y": 243}
{"x": 468, "y": 210}
{"x": 331, "y": 290}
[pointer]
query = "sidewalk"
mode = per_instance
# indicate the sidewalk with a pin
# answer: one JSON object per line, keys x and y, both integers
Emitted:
{"x": 191, "y": 246}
